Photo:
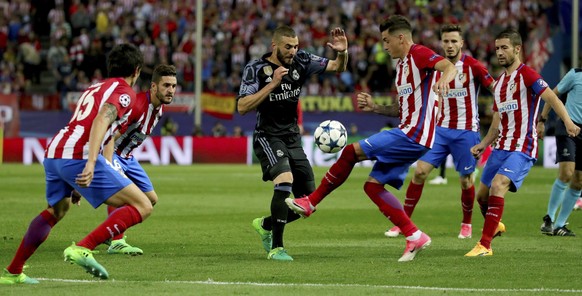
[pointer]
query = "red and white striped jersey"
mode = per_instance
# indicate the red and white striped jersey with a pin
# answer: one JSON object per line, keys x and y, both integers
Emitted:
{"x": 417, "y": 101}
{"x": 459, "y": 109}
{"x": 72, "y": 141}
{"x": 517, "y": 98}
{"x": 136, "y": 132}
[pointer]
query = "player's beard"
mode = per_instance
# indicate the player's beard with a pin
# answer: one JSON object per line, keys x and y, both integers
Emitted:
{"x": 163, "y": 99}
{"x": 508, "y": 62}
{"x": 281, "y": 59}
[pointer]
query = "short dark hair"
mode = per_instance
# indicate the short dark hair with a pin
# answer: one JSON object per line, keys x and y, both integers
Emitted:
{"x": 283, "y": 31}
{"x": 395, "y": 23}
{"x": 123, "y": 59}
{"x": 510, "y": 34}
{"x": 163, "y": 70}
{"x": 447, "y": 28}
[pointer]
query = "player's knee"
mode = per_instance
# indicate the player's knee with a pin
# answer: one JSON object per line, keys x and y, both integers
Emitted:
{"x": 286, "y": 177}
{"x": 281, "y": 170}
{"x": 145, "y": 209}
{"x": 153, "y": 197}
{"x": 466, "y": 182}
{"x": 420, "y": 176}
{"x": 353, "y": 153}
{"x": 60, "y": 209}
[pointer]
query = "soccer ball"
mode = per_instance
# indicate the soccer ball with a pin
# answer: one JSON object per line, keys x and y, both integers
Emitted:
{"x": 330, "y": 136}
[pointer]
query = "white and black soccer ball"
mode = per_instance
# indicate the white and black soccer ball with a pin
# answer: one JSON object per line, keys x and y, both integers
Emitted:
{"x": 330, "y": 136}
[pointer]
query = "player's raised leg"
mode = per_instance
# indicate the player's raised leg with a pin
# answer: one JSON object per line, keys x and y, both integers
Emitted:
{"x": 333, "y": 178}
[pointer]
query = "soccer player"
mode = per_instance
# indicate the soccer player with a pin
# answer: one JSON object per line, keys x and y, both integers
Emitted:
{"x": 570, "y": 162}
{"x": 516, "y": 95}
{"x": 396, "y": 149}
{"x": 457, "y": 129}
{"x": 271, "y": 85}
{"x": 73, "y": 162}
{"x": 149, "y": 109}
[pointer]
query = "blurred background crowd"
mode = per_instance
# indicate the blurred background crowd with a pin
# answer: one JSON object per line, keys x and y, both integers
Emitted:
{"x": 50, "y": 46}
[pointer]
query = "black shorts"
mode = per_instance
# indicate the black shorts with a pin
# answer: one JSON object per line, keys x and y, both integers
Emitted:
{"x": 566, "y": 147}
{"x": 284, "y": 154}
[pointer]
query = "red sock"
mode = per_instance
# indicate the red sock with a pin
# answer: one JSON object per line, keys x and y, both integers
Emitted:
{"x": 483, "y": 205}
{"x": 492, "y": 218}
{"x": 467, "y": 202}
{"x": 38, "y": 231}
{"x": 336, "y": 175}
{"x": 413, "y": 194}
{"x": 110, "y": 210}
{"x": 120, "y": 220}
{"x": 390, "y": 207}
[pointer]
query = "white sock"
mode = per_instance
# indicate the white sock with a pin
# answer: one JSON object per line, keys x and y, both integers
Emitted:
{"x": 414, "y": 236}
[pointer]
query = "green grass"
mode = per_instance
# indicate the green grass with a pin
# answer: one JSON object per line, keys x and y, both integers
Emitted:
{"x": 199, "y": 241}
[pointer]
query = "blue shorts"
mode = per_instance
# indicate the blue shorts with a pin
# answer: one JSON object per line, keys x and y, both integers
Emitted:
{"x": 394, "y": 153}
{"x": 458, "y": 143}
{"x": 61, "y": 175}
{"x": 514, "y": 165}
{"x": 134, "y": 172}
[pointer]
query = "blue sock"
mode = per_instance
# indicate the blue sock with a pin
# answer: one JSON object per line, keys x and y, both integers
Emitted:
{"x": 570, "y": 197}
{"x": 556, "y": 198}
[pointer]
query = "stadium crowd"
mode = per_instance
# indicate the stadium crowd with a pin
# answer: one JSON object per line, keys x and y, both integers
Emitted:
{"x": 70, "y": 38}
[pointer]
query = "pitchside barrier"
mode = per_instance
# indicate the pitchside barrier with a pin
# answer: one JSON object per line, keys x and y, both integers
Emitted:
{"x": 186, "y": 150}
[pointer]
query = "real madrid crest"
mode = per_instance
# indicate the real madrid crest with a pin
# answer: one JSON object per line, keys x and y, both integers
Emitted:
{"x": 295, "y": 74}
{"x": 268, "y": 70}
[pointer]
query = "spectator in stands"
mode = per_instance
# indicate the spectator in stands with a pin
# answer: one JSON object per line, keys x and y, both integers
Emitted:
{"x": 30, "y": 58}
{"x": 169, "y": 128}
{"x": 218, "y": 130}
{"x": 80, "y": 19}
{"x": 197, "y": 132}
{"x": 93, "y": 59}
{"x": 65, "y": 74}
{"x": 57, "y": 52}
{"x": 237, "y": 131}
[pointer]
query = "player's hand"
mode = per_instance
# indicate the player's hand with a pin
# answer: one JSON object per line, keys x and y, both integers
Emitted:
{"x": 365, "y": 102}
{"x": 573, "y": 130}
{"x": 540, "y": 129}
{"x": 477, "y": 150}
{"x": 86, "y": 176}
{"x": 76, "y": 197}
{"x": 339, "y": 41}
{"x": 441, "y": 87}
{"x": 278, "y": 74}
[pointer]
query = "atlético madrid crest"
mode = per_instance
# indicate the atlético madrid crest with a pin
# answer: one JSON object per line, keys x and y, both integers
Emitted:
{"x": 461, "y": 77}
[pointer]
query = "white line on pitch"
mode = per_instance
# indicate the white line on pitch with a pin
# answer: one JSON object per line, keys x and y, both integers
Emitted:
{"x": 211, "y": 282}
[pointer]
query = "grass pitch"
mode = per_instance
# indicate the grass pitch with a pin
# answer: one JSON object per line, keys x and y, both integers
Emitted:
{"x": 199, "y": 241}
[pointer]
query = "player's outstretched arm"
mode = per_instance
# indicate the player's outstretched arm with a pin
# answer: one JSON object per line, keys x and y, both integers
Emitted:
{"x": 541, "y": 125}
{"x": 339, "y": 43}
{"x": 550, "y": 98}
{"x": 366, "y": 103}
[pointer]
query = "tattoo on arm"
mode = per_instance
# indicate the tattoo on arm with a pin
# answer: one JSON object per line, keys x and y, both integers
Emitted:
{"x": 391, "y": 110}
{"x": 110, "y": 112}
